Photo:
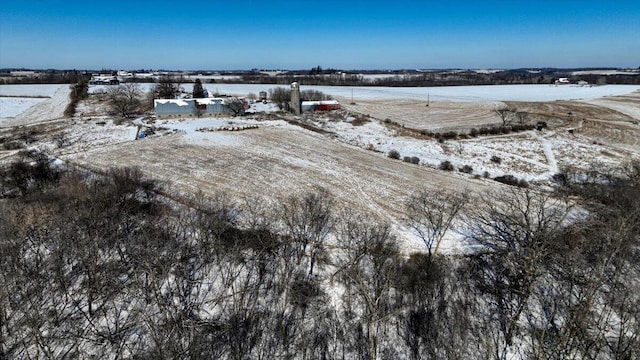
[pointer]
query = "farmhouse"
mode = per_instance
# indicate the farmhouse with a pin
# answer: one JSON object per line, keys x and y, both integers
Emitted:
{"x": 325, "y": 105}
{"x": 97, "y": 79}
{"x": 207, "y": 106}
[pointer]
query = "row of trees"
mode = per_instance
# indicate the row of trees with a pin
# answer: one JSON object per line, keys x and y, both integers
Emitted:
{"x": 282, "y": 95}
{"x": 435, "y": 78}
{"x": 102, "y": 266}
{"x": 47, "y": 77}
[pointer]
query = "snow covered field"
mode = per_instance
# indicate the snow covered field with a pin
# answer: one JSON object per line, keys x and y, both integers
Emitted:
{"x": 11, "y": 106}
{"x": 446, "y": 93}
{"x": 480, "y": 93}
{"x": 23, "y": 104}
{"x": 46, "y": 90}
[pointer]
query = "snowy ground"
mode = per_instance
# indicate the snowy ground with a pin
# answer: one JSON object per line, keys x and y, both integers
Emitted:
{"x": 27, "y": 104}
{"x": 269, "y": 157}
{"x": 11, "y": 106}
{"x": 47, "y": 90}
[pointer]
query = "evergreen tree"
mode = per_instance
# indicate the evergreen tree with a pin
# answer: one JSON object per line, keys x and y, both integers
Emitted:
{"x": 198, "y": 90}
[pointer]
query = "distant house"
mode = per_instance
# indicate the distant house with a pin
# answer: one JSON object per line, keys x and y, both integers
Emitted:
{"x": 206, "y": 106}
{"x": 563, "y": 81}
{"x": 324, "y": 105}
{"x": 104, "y": 80}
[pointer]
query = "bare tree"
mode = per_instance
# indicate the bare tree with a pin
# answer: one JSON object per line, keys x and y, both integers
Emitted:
{"x": 125, "y": 99}
{"x": 369, "y": 270}
{"x": 505, "y": 114}
{"x": 431, "y": 214}
{"x": 308, "y": 221}
{"x": 168, "y": 87}
{"x": 437, "y": 321}
{"x": 523, "y": 117}
{"x": 280, "y": 95}
{"x": 237, "y": 106}
{"x": 518, "y": 229}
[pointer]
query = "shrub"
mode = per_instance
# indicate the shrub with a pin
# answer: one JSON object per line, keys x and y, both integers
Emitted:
{"x": 31, "y": 174}
{"x": 12, "y": 145}
{"x": 512, "y": 180}
{"x": 415, "y": 160}
{"x": 446, "y": 165}
{"x": 359, "y": 121}
{"x": 28, "y": 136}
{"x": 560, "y": 178}
{"x": 426, "y": 133}
{"x": 507, "y": 179}
{"x": 485, "y": 175}
{"x": 450, "y": 135}
{"x": 496, "y": 159}
{"x": 473, "y": 132}
{"x": 483, "y": 131}
{"x": 394, "y": 154}
{"x": 466, "y": 169}
{"x": 61, "y": 139}
{"x": 407, "y": 159}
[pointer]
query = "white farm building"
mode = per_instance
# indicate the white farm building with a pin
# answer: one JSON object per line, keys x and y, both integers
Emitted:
{"x": 206, "y": 106}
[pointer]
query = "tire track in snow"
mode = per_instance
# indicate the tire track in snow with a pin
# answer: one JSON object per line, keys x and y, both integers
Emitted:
{"x": 547, "y": 147}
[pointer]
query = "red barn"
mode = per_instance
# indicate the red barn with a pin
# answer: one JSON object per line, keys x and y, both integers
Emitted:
{"x": 325, "y": 105}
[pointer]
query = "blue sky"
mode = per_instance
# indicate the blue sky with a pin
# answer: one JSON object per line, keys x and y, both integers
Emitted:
{"x": 276, "y": 34}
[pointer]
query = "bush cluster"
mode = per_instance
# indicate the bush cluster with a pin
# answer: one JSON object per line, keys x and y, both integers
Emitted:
{"x": 512, "y": 180}
{"x": 79, "y": 91}
{"x": 446, "y": 165}
{"x": 412, "y": 159}
{"x": 394, "y": 154}
{"x": 466, "y": 169}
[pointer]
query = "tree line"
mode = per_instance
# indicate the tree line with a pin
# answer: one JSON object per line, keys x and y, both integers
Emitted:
{"x": 109, "y": 265}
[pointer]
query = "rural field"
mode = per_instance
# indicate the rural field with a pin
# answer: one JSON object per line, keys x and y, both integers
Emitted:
{"x": 342, "y": 153}
{"x": 496, "y": 222}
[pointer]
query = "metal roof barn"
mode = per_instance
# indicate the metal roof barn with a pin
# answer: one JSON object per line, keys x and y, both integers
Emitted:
{"x": 205, "y": 106}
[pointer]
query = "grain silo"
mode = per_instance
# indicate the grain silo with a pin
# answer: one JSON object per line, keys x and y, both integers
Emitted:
{"x": 295, "y": 98}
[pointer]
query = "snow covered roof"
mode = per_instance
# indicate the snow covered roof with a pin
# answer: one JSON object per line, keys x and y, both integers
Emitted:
{"x": 207, "y": 101}
{"x": 185, "y": 102}
{"x": 179, "y": 102}
{"x": 324, "y": 102}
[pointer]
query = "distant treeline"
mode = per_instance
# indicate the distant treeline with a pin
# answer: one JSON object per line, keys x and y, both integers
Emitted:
{"x": 319, "y": 76}
{"x": 44, "y": 77}
{"x": 437, "y": 78}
